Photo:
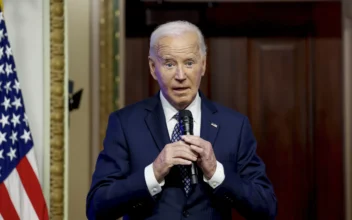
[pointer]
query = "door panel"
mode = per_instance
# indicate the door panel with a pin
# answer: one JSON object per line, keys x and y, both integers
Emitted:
{"x": 229, "y": 72}
{"x": 327, "y": 124}
{"x": 278, "y": 113}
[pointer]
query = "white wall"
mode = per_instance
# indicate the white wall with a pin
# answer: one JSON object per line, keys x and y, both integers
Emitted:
{"x": 24, "y": 21}
{"x": 78, "y": 14}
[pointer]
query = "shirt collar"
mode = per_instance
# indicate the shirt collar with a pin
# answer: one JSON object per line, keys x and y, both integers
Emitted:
{"x": 170, "y": 111}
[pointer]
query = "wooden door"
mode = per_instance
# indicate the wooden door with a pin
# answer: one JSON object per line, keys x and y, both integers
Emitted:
{"x": 279, "y": 112}
{"x": 280, "y": 66}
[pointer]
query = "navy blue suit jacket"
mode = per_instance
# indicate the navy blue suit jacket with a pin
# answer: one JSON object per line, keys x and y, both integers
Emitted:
{"x": 135, "y": 136}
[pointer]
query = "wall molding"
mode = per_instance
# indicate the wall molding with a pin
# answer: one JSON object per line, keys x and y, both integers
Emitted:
{"x": 111, "y": 57}
{"x": 105, "y": 66}
{"x": 57, "y": 108}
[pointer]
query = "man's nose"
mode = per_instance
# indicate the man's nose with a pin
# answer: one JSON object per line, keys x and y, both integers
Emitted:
{"x": 180, "y": 74}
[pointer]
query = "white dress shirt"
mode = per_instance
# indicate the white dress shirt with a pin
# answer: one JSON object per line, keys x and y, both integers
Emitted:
{"x": 169, "y": 112}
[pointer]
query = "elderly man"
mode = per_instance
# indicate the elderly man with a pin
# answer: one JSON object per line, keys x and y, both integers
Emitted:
{"x": 144, "y": 170}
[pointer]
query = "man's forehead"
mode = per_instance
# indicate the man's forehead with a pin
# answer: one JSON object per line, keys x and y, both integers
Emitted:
{"x": 186, "y": 39}
{"x": 166, "y": 50}
{"x": 189, "y": 51}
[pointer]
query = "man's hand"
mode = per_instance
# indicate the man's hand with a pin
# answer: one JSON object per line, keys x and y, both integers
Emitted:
{"x": 177, "y": 153}
{"x": 206, "y": 159}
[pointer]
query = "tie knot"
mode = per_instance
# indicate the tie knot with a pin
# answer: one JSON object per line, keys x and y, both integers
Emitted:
{"x": 176, "y": 116}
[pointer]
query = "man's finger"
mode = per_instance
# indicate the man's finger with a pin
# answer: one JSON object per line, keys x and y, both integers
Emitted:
{"x": 185, "y": 155}
{"x": 197, "y": 149}
{"x": 179, "y": 143}
{"x": 185, "y": 148}
{"x": 180, "y": 161}
{"x": 193, "y": 140}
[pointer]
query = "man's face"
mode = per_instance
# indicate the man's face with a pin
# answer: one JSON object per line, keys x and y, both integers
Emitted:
{"x": 178, "y": 66}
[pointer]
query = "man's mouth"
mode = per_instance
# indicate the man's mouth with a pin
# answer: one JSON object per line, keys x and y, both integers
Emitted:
{"x": 180, "y": 88}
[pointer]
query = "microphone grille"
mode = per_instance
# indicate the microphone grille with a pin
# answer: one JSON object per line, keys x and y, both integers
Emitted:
{"x": 185, "y": 113}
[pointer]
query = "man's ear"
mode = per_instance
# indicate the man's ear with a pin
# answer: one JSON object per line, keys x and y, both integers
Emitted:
{"x": 204, "y": 64}
{"x": 152, "y": 67}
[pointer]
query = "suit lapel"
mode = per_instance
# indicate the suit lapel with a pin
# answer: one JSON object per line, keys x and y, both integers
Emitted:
{"x": 155, "y": 121}
{"x": 209, "y": 126}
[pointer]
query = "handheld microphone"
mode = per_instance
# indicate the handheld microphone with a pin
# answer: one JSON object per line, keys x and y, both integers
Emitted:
{"x": 186, "y": 126}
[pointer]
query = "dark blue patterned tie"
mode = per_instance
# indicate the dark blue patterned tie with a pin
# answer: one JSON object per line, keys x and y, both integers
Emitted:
{"x": 176, "y": 136}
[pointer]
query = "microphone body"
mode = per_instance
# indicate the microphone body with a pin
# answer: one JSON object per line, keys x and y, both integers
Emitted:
{"x": 186, "y": 125}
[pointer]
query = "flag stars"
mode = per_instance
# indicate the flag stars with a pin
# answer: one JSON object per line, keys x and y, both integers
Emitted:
{"x": 17, "y": 103}
{"x": 25, "y": 120}
{"x": 26, "y": 136}
{"x": 15, "y": 120}
{"x": 6, "y": 103}
{"x": 12, "y": 153}
{"x": 8, "y": 52}
{"x": 8, "y": 69}
{"x": 1, "y": 48}
{"x": 2, "y": 71}
{"x": 2, "y": 154}
{"x": 2, "y": 137}
{"x": 13, "y": 137}
{"x": 16, "y": 86}
{"x": 7, "y": 87}
{"x": 4, "y": 120}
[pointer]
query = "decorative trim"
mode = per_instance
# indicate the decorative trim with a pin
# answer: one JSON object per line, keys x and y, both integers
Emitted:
{"x": 116, "y": 52}
{"x": 57, "y": 108}
{"x": 121, "y": 51}
{"x": 106, "y": 65}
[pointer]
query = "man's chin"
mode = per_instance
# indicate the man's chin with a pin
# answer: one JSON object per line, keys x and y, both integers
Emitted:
{"x": 183, "y": 103}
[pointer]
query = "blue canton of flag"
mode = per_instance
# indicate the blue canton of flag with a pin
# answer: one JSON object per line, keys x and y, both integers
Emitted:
{"x": 15, "y": 136}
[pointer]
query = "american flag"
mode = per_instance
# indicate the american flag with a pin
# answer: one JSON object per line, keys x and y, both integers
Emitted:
{"x": 21, "y": 195}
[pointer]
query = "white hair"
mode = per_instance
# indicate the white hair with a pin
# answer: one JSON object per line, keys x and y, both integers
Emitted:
{"x": 176, "y": 28}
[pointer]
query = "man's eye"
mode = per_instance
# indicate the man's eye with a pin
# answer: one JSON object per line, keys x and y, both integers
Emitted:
{"x": 169, "y": 65}
{"x": 189, "y": 63}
